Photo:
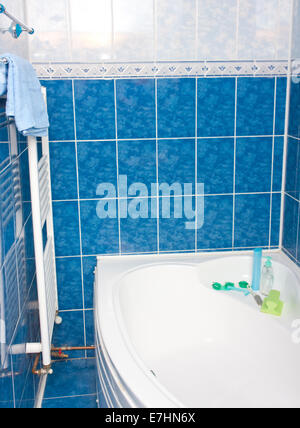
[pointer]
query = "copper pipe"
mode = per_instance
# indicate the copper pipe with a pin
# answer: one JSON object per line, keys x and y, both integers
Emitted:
{"x": 35, "y": 364}
{"x": 59, "y": 351}
{"x": 43, "y": 371}
{"x": 73, "y": 348}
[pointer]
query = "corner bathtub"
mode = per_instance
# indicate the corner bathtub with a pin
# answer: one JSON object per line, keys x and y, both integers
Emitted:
{"x": 165, "y": 339}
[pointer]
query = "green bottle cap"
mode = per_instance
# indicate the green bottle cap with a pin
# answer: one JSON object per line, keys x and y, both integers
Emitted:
{"x": 268, "y": 263}
{"x": 243, "y": 284}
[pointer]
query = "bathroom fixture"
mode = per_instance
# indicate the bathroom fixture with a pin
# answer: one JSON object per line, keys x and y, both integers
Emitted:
{"x": 6, "y": 123}
{"x": 256, "y": 275}
{"x": 256, "y": 297}
{"x": 272, "y": 304}
{"x": 215, "y": 347}
{"x": 229, "y": 286}
{"x": 267, "y": 277}
{"x": 17, "y": 27}
{"x": 42, "y": 219}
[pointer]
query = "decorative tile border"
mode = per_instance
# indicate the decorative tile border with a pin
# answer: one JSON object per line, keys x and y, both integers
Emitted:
{"x": 161, "y": 69}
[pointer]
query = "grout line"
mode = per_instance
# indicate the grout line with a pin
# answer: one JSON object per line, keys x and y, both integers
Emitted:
{"x": 197, "y": 31}
{"x": 196, "y": 164}
{"x": 79, "y": 210}
{"x": 298, "y": 230}
{"x": 165, "y": 139}
{"x": 117, "y": 165}
{"x": 237, "y": 35}
{"x": 189, "y": 251}
{"x": 292, "y": 197}
{"x": 286, "y": 130}
{"x": 234, "y": 165}
{"x": 157, "y": 167}
{"x": 155, "y": 29}
{"x": 206, "y": 195}
{"x": 272, "y": 164}
{"x": 112, "y": 29}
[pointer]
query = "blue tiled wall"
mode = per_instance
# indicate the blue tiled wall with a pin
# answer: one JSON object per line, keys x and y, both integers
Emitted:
{"x": 18, "y": 295}
{"x": 291, "y": 229}
{"x": 224, "y": 132}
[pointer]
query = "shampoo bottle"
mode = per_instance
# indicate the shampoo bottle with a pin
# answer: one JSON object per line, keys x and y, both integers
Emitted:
{"x": 267, "y": 277}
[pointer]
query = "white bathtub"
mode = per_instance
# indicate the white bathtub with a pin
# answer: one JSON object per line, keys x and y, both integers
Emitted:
{"x": 165, "y": 339}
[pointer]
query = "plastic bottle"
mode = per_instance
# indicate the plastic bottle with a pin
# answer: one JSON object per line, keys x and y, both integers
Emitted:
{"x": 267, "y": 277}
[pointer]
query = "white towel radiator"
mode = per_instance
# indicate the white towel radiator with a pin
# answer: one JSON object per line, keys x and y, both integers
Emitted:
{"x": 42, "y": 218}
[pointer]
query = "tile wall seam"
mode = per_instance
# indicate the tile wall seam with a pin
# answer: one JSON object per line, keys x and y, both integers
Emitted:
{"x": 234, "y": 163}
{"x": 218, "y": 137}
{"x": 79, "y": 208}
{"x": 117, "y": 165}
{"x": 286, "y": 127}
{"x": 272, "y": 164}
{"x": 157, "y": 168}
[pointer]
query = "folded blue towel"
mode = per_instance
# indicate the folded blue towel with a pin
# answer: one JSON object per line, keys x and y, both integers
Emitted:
{"x": 25, "y": 101}
{"x": 3, "y": 79}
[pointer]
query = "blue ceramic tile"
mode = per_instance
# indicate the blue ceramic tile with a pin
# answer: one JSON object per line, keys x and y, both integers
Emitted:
{"x": 255, "y": 106}
{"x": 69, "y": 283}
{"x": 3, "y": 131}
{"x": 89, "y": 265}
{"x": 173, "y": 232}
{"x": 280, "y": 105}
{"x": 96, "y": 165}
{"x": 89, "y": 328}
{"x": 6, "y": 388}
{"x": 4, "y": 155}
{"x": 66, "y": 228}
{"x": 22, "y": 364}
{"x": 139, "y": 230}
{"x": 298, "y": 247}
{"x": 72, "y": 378}
{"x": 81, "y": 402}
{"x": 28, "y": 395}
{"x": 3, "y": 134}
{"x": 176, "y": 99}
{"x": 292, "y": 185}
{"x": 278, "y": 163}
{"x": 216, "y": 165}
{"x": 63, "y": 171}
{"x": 71, "y": 333}
{"x": 137, "y": 160}
{"x": 176, "y": 162}
{"x": 216, "y": 107}
{"x": 136, "y": 108}
{"x": 24, "y": 176}
{"x": 275, "y": 225}
{"x": 216, "y": 231}
{"x": 294, "y": 110}
{"x": 252, "y": 220}
{"x": 60, "y": 109}
{"x": 253, "y": 164}
{"x": 99, "y": 236}
{"x": 95, "y": 109}
{"x": 290, "y": 225}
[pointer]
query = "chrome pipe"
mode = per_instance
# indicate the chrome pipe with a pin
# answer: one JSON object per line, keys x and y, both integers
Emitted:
{"x": 16, "y": 20}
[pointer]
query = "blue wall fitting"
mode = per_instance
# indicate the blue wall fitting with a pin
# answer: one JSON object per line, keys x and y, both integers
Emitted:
{"x": 18, "y": 294}
{"x": 291, "y": 229}
{"x": 224, "y": 132}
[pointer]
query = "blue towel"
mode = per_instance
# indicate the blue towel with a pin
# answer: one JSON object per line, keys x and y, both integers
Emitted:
{"x": 3, "y": 79}
{"x": 25, "y": 101}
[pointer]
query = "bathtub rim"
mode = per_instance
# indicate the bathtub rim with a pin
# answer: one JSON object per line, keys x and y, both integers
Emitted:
{"x": 123, "y": 265}
{"x": 130, "y": 363}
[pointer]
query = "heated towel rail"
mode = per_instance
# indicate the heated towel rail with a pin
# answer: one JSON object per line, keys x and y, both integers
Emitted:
{"x": 42, "y": 219}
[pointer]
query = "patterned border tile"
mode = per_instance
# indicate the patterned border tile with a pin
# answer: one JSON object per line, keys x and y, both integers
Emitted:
{"x": 162, "y": 69}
